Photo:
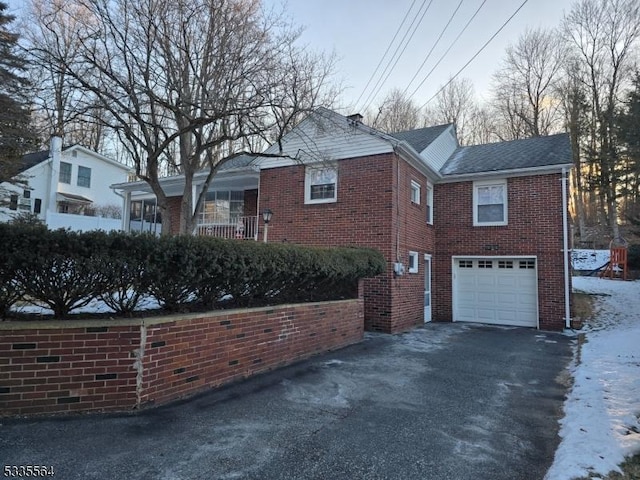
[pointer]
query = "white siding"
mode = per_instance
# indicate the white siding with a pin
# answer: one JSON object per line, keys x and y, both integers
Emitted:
{"x": 103, "y": 174}
{"x": 326, "y": 138}
{"x": 439, "y": 151}
{"x": 38, "y": 179}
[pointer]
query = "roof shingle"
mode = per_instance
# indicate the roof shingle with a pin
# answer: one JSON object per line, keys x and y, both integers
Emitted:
{"x": 512, "y": 155}
{"x": 420, "y": 138}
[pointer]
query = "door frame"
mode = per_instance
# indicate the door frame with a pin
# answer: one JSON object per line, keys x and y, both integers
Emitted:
{"x": 428, "y": 288}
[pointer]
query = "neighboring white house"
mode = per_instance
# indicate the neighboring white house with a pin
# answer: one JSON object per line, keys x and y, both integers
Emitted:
{"x": 68, "y": 188}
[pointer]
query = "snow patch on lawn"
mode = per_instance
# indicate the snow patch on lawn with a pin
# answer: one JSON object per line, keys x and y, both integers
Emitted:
{"x": 601, "y": 425}
{"x": 582, "y": 259}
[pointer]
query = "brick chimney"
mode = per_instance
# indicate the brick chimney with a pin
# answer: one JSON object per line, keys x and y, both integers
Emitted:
{"x": 355, "y": 118}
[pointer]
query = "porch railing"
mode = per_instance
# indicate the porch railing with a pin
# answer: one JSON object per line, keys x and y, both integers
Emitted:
{"x": 241, "y": 228}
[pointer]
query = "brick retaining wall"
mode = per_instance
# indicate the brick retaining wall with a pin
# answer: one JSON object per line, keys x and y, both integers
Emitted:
{"x": 96, "y": 365}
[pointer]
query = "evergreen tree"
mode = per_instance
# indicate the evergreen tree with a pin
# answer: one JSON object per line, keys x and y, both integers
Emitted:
{"x": 628, "y": 133}
{"x": 15, "y": 135}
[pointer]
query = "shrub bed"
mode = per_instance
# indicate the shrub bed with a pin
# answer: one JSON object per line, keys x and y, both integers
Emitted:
{"x": 66, "y": 270}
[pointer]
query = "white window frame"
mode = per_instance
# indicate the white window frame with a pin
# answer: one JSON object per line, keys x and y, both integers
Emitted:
{"x": 414, "y": 262}
{"x": 429, "y": 204}
{"x": 309, "y": 170}
{"x": 81, "y": 179}
{"x": 416, "y": 192}
{"x": 65, "y": 179}
{"x": 505, "y": 206}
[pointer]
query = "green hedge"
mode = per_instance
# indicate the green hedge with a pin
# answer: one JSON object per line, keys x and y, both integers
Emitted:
{"x": 66, "y": 270}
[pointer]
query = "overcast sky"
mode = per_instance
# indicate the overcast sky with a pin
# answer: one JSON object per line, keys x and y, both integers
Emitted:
{"x": 359, "y": 31}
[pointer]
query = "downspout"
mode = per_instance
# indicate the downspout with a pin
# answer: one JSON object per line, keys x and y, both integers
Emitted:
{"x": 565, "y": 250}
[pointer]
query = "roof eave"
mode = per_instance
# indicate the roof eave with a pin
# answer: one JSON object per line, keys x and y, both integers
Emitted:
{"x": 179, "y": 179}
{"x": 519, "y": 172}
{"x": 407, "y": 152}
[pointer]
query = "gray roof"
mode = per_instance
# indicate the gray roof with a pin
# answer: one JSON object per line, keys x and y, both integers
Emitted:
{"x": 241, "y": 161}
{"x": 32, "y": 159}
{"x": 554, "y": 150}
{"x": 420, "y": 138}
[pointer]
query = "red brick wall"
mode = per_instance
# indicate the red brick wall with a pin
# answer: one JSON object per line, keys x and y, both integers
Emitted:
{"x": 67, "y": 369}
{"x": 250, "y": 202}
{"x": 365, "y": 214}
{"x": 414, "y": 235}
{"x": 535, "y": 228}
{"x": 55, "y": 368}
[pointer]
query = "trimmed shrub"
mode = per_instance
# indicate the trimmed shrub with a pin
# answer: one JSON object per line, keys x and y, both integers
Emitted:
{"x": 66, "y": 270}
{"x": 123, "y": 270}
{"x": 60, "y": 269}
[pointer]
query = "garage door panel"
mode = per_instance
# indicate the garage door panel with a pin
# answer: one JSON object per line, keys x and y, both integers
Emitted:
{"x": 503, "y": 294}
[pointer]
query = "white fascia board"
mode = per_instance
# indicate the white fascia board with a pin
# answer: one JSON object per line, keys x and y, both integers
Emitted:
{"x": 97, "y": 155}
{"x": 414, "y": 159}
{"x": 178, "y": 180}
{"x": 522, "y": 172}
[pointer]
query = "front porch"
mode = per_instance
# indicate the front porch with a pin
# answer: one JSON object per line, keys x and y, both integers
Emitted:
{"x": 230, "y": 208}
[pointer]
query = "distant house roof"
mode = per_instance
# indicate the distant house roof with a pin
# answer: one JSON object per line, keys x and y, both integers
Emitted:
{"x": 32, "y": 159}
{"x": 420, "y": 138}
{"x": 554, "y": 150}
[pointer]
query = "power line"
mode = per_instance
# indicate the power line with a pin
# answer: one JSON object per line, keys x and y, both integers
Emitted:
{"x": 373, "y": 74}
{"x": 389, "y": 68}
{"x": 434, "y": 46}
{"x": 475, "y": 55}
{"x": 446, "y": 51}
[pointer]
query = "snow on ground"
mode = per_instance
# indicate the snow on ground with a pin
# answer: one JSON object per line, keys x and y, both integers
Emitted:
{"x": 582, "y": 259}
{"x": 601, "y": 424}
{"x": 95, "y": 306}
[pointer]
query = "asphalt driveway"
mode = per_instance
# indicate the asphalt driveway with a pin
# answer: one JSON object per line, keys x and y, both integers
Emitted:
{"x": 448, "y": 401}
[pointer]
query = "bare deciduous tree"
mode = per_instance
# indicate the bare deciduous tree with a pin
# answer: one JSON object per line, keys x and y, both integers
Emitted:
{"x": 192, "y": 83}
{"x": 456, "y": 103}
{"x": 524, "y": 86}
{"x": 604, "y": 34}
{"x": 396, "y": 113}
{"x": 51, "y": 28}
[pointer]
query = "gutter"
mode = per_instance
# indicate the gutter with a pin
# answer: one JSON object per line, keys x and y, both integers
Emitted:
{"x": 565, "y": 250}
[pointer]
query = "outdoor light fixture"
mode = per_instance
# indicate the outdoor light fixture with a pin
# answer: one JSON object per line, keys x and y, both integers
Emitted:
{"x": 266, "y": 217}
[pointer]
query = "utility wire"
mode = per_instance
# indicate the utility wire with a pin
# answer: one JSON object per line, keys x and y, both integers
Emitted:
{"x": 433, "y": 47}
{"x": 446, "y": 51}
{"x": 373, "y": 74}
{"x": 475, "y": 55}
{"x": 389, "y": 68}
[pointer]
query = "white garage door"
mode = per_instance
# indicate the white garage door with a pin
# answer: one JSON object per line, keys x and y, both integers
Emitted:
{"x": 500, "y": 291}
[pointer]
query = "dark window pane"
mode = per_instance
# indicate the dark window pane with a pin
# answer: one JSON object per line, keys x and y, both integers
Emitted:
{"x": 491, "y": 213}
{"x": 65, "y": 172}
{"x": 84, "y": 177}
{"x": 37, "y": 206}
{"x": 319, "y": 192}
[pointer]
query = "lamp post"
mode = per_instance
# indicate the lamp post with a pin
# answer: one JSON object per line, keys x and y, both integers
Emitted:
{"x": 266, "y": 218}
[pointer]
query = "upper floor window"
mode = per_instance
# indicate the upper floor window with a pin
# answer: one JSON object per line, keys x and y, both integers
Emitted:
{"x": 84, "y": 177}
{"x": 320, "y": 184}
{"x": 65, "y": 172}
{"x": 415, "y": 192}
{"x": 490, "y": 203}
{"x": 429, "y": 205}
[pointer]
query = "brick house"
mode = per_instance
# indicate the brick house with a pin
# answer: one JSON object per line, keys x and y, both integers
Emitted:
{"x": 471, "y": 233}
